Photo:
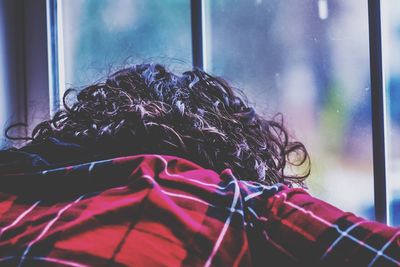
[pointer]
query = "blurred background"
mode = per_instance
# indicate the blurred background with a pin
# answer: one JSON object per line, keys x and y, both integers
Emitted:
{"x": 308, "y": 59}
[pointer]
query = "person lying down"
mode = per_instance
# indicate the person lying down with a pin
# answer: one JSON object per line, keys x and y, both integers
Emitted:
{"x": 151, "y": 168}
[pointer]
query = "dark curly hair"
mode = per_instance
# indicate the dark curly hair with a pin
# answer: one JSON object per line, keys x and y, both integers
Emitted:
{"x": 146, "y": 109}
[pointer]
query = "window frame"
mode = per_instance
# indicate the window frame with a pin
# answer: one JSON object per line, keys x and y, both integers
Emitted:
{"x": 378, "y": 98}
{"x": 37, "y": 59}
{"x": 378, "y": 111}
{"x": 25, "y": 63}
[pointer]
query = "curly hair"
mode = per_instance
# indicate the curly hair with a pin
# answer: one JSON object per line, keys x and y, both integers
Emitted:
{"x": 146, "y": 109}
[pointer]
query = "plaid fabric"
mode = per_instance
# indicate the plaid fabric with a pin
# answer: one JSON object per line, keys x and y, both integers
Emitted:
{"x": 151, "y": 210}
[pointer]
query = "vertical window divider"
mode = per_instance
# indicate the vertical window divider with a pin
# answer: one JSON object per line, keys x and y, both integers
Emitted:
{"x": 197, "y": 33}
{"x": 378, "y": 111}
{"x": 56, "y": 76}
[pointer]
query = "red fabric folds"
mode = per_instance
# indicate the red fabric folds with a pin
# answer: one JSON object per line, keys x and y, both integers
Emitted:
{"x": 153, "y": 210}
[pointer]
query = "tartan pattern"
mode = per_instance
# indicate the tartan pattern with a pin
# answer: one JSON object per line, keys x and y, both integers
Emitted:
{"x": 153, "y": 210}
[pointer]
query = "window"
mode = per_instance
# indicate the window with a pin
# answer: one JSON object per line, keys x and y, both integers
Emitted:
{"x": 308, "y": 59}
{"x": 96, "y": 35}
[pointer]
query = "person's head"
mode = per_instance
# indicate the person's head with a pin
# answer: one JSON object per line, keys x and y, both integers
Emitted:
{"x": 146, "y": 109}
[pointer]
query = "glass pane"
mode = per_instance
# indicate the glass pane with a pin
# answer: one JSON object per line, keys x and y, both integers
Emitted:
{"x": 99, "y": 36}
{"x": 391, "y": 48}
{"x": 309, "y": 60}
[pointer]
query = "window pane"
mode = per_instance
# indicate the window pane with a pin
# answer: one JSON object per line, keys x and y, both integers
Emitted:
{"x": 309, "y": 60}
{"x": 99, "y": 36}
{"x": 391, "y": 48}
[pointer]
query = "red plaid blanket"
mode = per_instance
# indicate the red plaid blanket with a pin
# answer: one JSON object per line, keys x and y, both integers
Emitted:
{"x": 151, "y": 210}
